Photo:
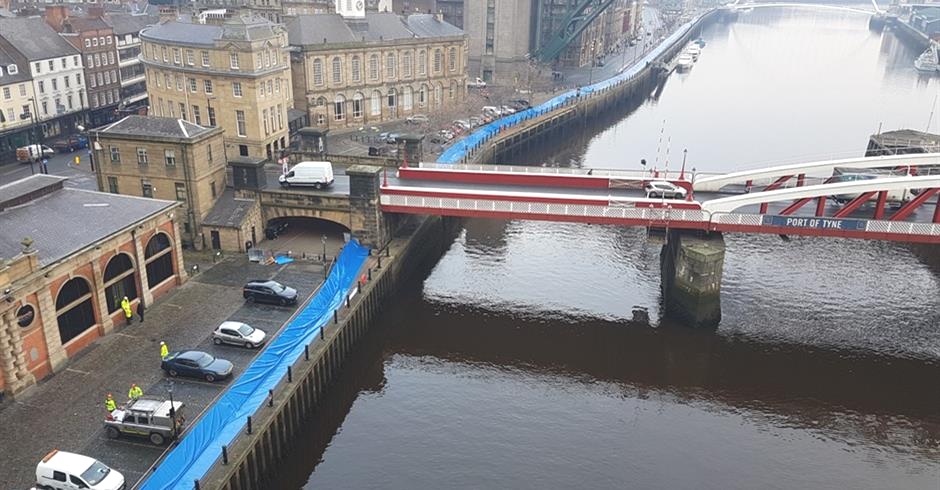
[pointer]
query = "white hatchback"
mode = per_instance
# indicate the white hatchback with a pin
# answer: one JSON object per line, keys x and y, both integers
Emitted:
{"x": 238, "y": 333}
{"x": 664, "y": 189}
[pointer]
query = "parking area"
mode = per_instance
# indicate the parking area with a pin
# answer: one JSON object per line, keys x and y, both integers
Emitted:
{"x": 67, "y": 410}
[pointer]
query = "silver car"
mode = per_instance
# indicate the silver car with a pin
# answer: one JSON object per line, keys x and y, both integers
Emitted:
{"x": 238, "y": 333}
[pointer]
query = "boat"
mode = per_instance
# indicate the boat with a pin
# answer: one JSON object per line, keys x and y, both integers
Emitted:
{"x": 694, "y": 51}
{"x": 684, "y": 62}
{"x": 929, "y": 60}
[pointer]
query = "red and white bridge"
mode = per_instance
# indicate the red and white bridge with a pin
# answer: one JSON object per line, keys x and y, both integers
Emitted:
{"x": 900, "y": 203}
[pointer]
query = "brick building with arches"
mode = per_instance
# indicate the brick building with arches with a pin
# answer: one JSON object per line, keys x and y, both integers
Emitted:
{"x": 67, "y": 258}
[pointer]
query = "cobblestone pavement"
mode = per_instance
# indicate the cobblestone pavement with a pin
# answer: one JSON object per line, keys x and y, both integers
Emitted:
{"x": 67, "y": 410}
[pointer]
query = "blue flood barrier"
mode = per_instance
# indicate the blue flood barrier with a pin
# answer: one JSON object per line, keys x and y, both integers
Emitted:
{"x": 456, "y": 152}
{"x": 202, "y": 445}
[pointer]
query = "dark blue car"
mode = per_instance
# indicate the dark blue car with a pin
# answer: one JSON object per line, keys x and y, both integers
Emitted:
{"x": 196, "y": 364}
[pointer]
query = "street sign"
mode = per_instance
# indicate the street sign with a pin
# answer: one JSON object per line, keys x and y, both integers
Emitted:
{"x": 814, "y": 222}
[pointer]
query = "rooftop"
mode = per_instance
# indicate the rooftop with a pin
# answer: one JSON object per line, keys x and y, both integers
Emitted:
{"x": 34, "y": 39}
{"x": 153, "y": 126}
{"x": 229, "y": 211}
{"x": 84, "y": 24}
{"x": 377, "y": 26}
{"x": 237, "y": 28}
{"x": 66, "y": 220}
{"x": 7, "y": 59}
{"x": 130, "y": 23}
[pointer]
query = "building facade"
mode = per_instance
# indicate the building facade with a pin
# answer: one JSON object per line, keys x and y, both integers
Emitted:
{"x": 94, "y": 39}
{"x": 16, "y": 95}
{"x": 58, "y": 296}
{"x": 163, "y": 158}
{"x": 127, "y": 29}
{"x": 349, "y": 70}
{"x": 500, "y": 38}
{"x": 56, "y": 70}
{"x": 235, "y": 75}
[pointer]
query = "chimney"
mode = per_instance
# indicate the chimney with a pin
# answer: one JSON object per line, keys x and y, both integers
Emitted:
{"x": 439, "y": 16}
{"x": 56, "y": 15}
{"x": 96, "y": 11}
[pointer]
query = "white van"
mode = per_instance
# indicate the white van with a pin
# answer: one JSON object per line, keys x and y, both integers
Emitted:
{"x": 33, "y": 152}
{"x": 60, "y": 470}
{"x": 317, "y": 174}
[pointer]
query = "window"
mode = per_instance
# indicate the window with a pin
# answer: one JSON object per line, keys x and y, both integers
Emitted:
{"x": 142, "y": 156}
{"x": 339, "y": 108}
{"x": 211, "y": 184}
{"x": 64, "y": 62}
{"x": 267, "y": 58}
{"x": 176, "y": 56}
{"x": 406, "y": 98}
{"x": 42, "y": 87}
{"x": 159, "y": 258}
{"x": 37, "y": 67}
{"x": 452, "y": 59}
{"x": 356, "y": 106}
{"x": 179, "y": 82}
{"x": 233, "y": 60}
{"x": 197, "y": 118}
{"x": 317, "y": 72}
{"x": 146, "y": 188}
{"x": 66, "y": 80}
{"x": 87, "y": 43}
{"x": 264, "y": 118}
{"x": 13, "y": 70}
{"x": 45, "y": 109}
{"x": 107, "y": 79}
{"x": 277, "y": 86}
{"x": 190, "y": 59}
{"x": 111, "y": 57}
{"x": 6, "y": 93}
{"x": 205, "y": 58}
{"x": 261, "y": 89}
{"x": 376, "y": 105}
{"x": 211, "y": 113}
{"x": 78, "y": 81}
{"x": 237, "y": 89}
{"x": 240, "y": 123}
{"x": 94, "y": 41}
{"x": 391, "y": 98}
{"x": 55, "y": 84}
{"x": 422, "y": 63}
{"x": 374, "y": 67}
{"x": 423, "y": 95}
{"x": 390, "y": 65}
{"x": 68, "y": 100}
{"x": 406, "y": 64}
{"x": 356, "y": 69}
{"x": 182, "y": 110}
{"x": 209, "y": 158}
{"x": 119, "y": 281}
{"x": 113, "y": 185}
{"x": 94, "y": 100}
{"x": 169, "y": 157}
{"x": 91, "y": 61}
{"x": 270, "y": 85}
{"x": 109, "y": 40}
{"x": 208, "y": 86}
{"x": 192, "y": 85}
{"x": 181, "y": 192}
{"x": 274, "y": 56}
{"x": 337, "y": 70}
{"x": 115, "y": 154}
{"x": 164, "y": 54}
{"x": 74, "y": 311}
{"x": 437, "y": 60}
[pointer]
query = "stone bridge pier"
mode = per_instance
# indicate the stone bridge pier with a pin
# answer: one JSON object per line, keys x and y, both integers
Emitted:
{"x": 691, "y": 264}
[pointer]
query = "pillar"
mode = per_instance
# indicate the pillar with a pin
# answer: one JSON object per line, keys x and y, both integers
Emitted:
{"x": 367, "y": 222}
{"x": 98, "y": 295}
{"x": 691, "y": 277}
{"x": 144, "y": 290}
{"x": 50, "y": 329}
{"x": 16, "y": 375}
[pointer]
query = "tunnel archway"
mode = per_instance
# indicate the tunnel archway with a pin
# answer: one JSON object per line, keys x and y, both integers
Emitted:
{"x": 302, "y": 235}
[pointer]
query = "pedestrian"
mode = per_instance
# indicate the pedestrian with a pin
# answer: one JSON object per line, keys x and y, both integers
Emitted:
{"x": 135, "y": 392}
{"x": 140, "y": 310}
{"x": 164, "y": 350}
{"x": 126, "y": 306}
{"x": 109, "y": 404}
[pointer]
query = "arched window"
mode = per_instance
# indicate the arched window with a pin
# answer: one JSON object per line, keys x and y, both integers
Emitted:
{"x": 438, "y": 61}
{"x": 159, "y": 259}
{"x": 423, "y": 95}
{"x": 406, "y": 64}
{"x": 406, "y": 98}
{"x": 317, "y": 72}
{"x": 339, "y": 108}
{"x": 452, "y": 59}
{"x": 374, "y": 67}
{"x": 321, "y": 101}
{"x": 375, "y": 108}
{"x": 74, "y": 309}
{"x": 356, "y": 69}
{"x": 392, "y": 98}
{"x": 422, "y": 63}
{"x": 337, "y": 70}
{"x": 390, "y": 65}
{"x": 119, "y": 281}
{"x": 357, "y": 104}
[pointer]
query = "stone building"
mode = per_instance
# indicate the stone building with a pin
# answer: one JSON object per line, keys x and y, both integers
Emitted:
{"x": 235, "y": 75}
{"x": 163, "y": 158}
{"x": 94, "y": 39}
{"x": 58, "y": 295}
{"x": 500, "y": 38}
{"x": 355, "y": 68}
{"x": 56, "y": 71}
{"x": 16, "y": 101}
{"x": 127, "y": 29}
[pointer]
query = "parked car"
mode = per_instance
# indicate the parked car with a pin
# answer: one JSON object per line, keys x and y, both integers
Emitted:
{"x": 475, "y": 121}
{"x": 476, "y": 83}
{"x": 492, "y": 111}
{"x": 520, "y": 103}
{"x": 665, "y": 189}
{"x": 417, "y": 119}
{"x": 238, "y": 333}
{"x": 506, "y": 110}
{"x": 31, "y": 152}
{"x": 316, "y": 174}
{"x": 146, "y": 417}
{"x": 378, "y": 151}
{"x": 462, "y": 124}
{"x": 60, "y": 469}
{"x": 196, "y": 364}
{"x": 268, "y": 291}
{"x": 274, "y": 229}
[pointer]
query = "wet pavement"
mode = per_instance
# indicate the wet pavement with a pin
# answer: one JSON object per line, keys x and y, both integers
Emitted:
{"x": 67, "y": 410}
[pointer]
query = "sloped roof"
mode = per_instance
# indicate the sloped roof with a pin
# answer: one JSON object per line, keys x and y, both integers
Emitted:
{"x": 229, "y": 211}
{"x": 83, "y": 24}
{"x": 7, "y": 59}
{"x": 34, "y": 39}
{"x": 131, "y": 23}
{"x": 237, "y": 28}
{"x": 153, "y": 126}
{"x": 305, "y": 30}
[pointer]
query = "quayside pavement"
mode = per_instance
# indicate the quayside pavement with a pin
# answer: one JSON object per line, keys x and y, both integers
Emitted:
{"x": 67, "y": 410}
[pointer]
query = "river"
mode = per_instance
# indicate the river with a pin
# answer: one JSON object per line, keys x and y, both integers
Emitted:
{"x": 520, "y": 359}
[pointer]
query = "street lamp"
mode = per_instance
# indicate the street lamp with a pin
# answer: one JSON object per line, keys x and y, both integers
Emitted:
{"x": 29, "y": 114}
{"x": 323, "y": 239}
{"x": 169, "y": 390}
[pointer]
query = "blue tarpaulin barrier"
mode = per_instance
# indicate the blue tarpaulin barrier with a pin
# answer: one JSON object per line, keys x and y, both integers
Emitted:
{"x": 224, "y": 420}
{"x": 456, "y": 152}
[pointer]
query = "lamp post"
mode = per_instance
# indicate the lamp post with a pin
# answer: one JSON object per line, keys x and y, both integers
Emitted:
{"x": 29, "y": 114}
{"x": 172, "y": 410}
{"x": 323, "y": 239}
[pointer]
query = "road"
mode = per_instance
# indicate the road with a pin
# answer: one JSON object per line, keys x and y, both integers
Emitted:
{"x": 80, "y": 176}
